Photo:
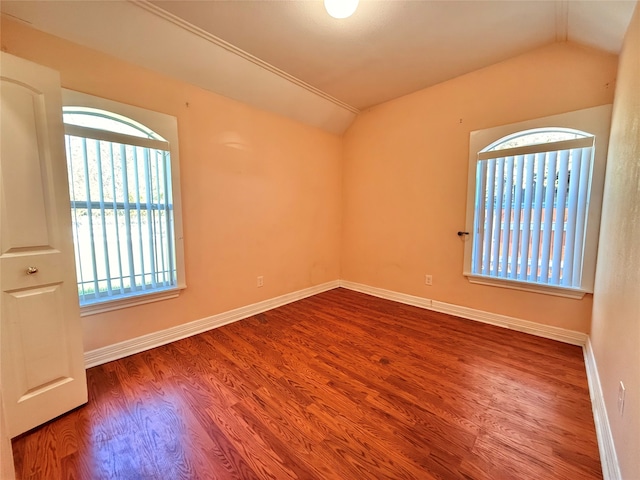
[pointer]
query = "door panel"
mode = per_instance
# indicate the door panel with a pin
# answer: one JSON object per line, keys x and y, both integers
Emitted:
{"x": 49, "y": 360}
{"x": 22, "y": 117}
{"x": 42, "y": 369}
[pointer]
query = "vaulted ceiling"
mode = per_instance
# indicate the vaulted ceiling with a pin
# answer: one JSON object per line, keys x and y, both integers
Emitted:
{"x": 292, "y": 58}
{"x": 391, "y": 48}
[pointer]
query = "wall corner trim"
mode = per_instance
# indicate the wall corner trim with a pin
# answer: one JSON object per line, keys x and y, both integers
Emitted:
{"x": 123, "y": 349}
{"x": 608, "y": 457}
{"x": 554, "y": 333}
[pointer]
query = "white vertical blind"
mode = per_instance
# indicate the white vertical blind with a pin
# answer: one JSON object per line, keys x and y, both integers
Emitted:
{"x": 89, "y": 213}
{"x": 105, "y": 248}
{"x": 530, "y": 212}
{"x": 488, "y": 204}
{"x": 114, "y": 205}
{"x": 534, "y": 260}
{"x": 507, "y": 232}
{"x": 137, "y": 196}
{"x": 517, "y": 214}
{"x": 497, "y": 223}
{"x": 526, "y": 223}
{"x": 560, "y": 214}
{"x": 581, "y": 216}
{"x": 120, "y": 188}
{"x": 548, "y": 209}
{"x": 127, "y": 216}
{"x": 479, "y": 220}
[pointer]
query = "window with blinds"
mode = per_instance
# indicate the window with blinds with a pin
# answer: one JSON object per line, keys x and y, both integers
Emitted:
{"x": 122, "y": 206}
{"x": 530, "y": 212}
{"x": 534, "y": 197}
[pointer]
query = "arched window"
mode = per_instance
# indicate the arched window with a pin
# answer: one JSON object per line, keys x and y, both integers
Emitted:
{"x": 531, "y": 208}
{"x": 123, "y": 208}
{"x": 98, "y": 119}
{"x": 536, "y": 136}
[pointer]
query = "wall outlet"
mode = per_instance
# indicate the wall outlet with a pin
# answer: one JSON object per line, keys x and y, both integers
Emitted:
{"x": 428, "y": 280}
{"x": 260, "y": 281}
{"x": 621, "y": 392}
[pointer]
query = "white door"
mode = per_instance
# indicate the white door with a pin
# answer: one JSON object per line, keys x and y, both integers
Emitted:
{"x": 42, "y": 367}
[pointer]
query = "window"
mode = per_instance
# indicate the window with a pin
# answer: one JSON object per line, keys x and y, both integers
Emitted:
{"x": 124, "y": 188}
{"x": 535, "y": 203}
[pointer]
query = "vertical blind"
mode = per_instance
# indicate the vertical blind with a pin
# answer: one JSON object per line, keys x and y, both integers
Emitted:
{"x": 531, "y": 212}
{"x": 122, "y": 213}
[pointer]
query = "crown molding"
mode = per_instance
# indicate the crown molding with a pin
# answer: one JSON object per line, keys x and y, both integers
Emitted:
{"x": 155, "y": 10}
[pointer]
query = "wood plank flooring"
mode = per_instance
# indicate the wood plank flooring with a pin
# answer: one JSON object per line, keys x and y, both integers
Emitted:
{"x": 337, "y": 386}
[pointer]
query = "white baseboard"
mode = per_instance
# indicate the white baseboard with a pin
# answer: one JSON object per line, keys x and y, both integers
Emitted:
{"x": 146, "y": 342}
{"x": 608, "y": 457}
{"x": 387, "y": 294}
{"x": 547, "y": 331}
{"x": 533, "y": 328}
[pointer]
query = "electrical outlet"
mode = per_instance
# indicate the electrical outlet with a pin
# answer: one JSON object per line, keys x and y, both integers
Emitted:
{"x": 428, "y": 280}
{"x": 621, "y": 392}
{"x": 260, "y": 282}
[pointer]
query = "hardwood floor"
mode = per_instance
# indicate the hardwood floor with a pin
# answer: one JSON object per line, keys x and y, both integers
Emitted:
{"x": 337, "y": 386}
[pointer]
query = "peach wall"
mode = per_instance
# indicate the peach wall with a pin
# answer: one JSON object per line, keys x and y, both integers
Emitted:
{"x": 405, "y": 176}
{"x": 615, "y": 332}
{"x": 261, "y": 194}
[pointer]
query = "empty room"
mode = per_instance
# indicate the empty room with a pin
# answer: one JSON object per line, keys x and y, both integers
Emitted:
{"x": 307, "y": 239}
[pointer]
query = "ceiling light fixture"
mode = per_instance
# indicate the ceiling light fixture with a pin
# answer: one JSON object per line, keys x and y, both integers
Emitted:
{"x": 341, "y": 8}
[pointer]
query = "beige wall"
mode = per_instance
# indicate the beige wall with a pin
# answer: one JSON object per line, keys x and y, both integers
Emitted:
{"x": 405, "y": 177}
{"x": 261, "y": 194}
{"x": 615, "y": 333}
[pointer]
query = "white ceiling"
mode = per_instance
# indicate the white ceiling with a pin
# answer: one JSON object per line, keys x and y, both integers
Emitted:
{"x": 290, "y": 57}
{"x": 391, "y": 48}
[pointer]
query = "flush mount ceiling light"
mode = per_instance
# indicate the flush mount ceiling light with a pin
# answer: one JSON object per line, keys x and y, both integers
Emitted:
{"x": 340, "y": 8}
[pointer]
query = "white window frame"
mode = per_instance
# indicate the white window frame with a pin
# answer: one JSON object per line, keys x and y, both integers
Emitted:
{"x": 595, "y": 121}
{"x": 167, "y": 127}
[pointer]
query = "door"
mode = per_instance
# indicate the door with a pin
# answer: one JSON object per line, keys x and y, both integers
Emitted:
{"x": 42, "y": 364}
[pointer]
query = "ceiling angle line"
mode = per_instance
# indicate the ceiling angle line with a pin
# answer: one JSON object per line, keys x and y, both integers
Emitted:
{"x": 27, "y": 22}
{"x": 562, "y": 20}
{"x": 179, "y": 22}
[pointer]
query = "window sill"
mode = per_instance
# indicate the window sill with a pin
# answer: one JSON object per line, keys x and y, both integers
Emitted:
{"x": 566, "y": 292}
{"x": 126, "y": 302}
